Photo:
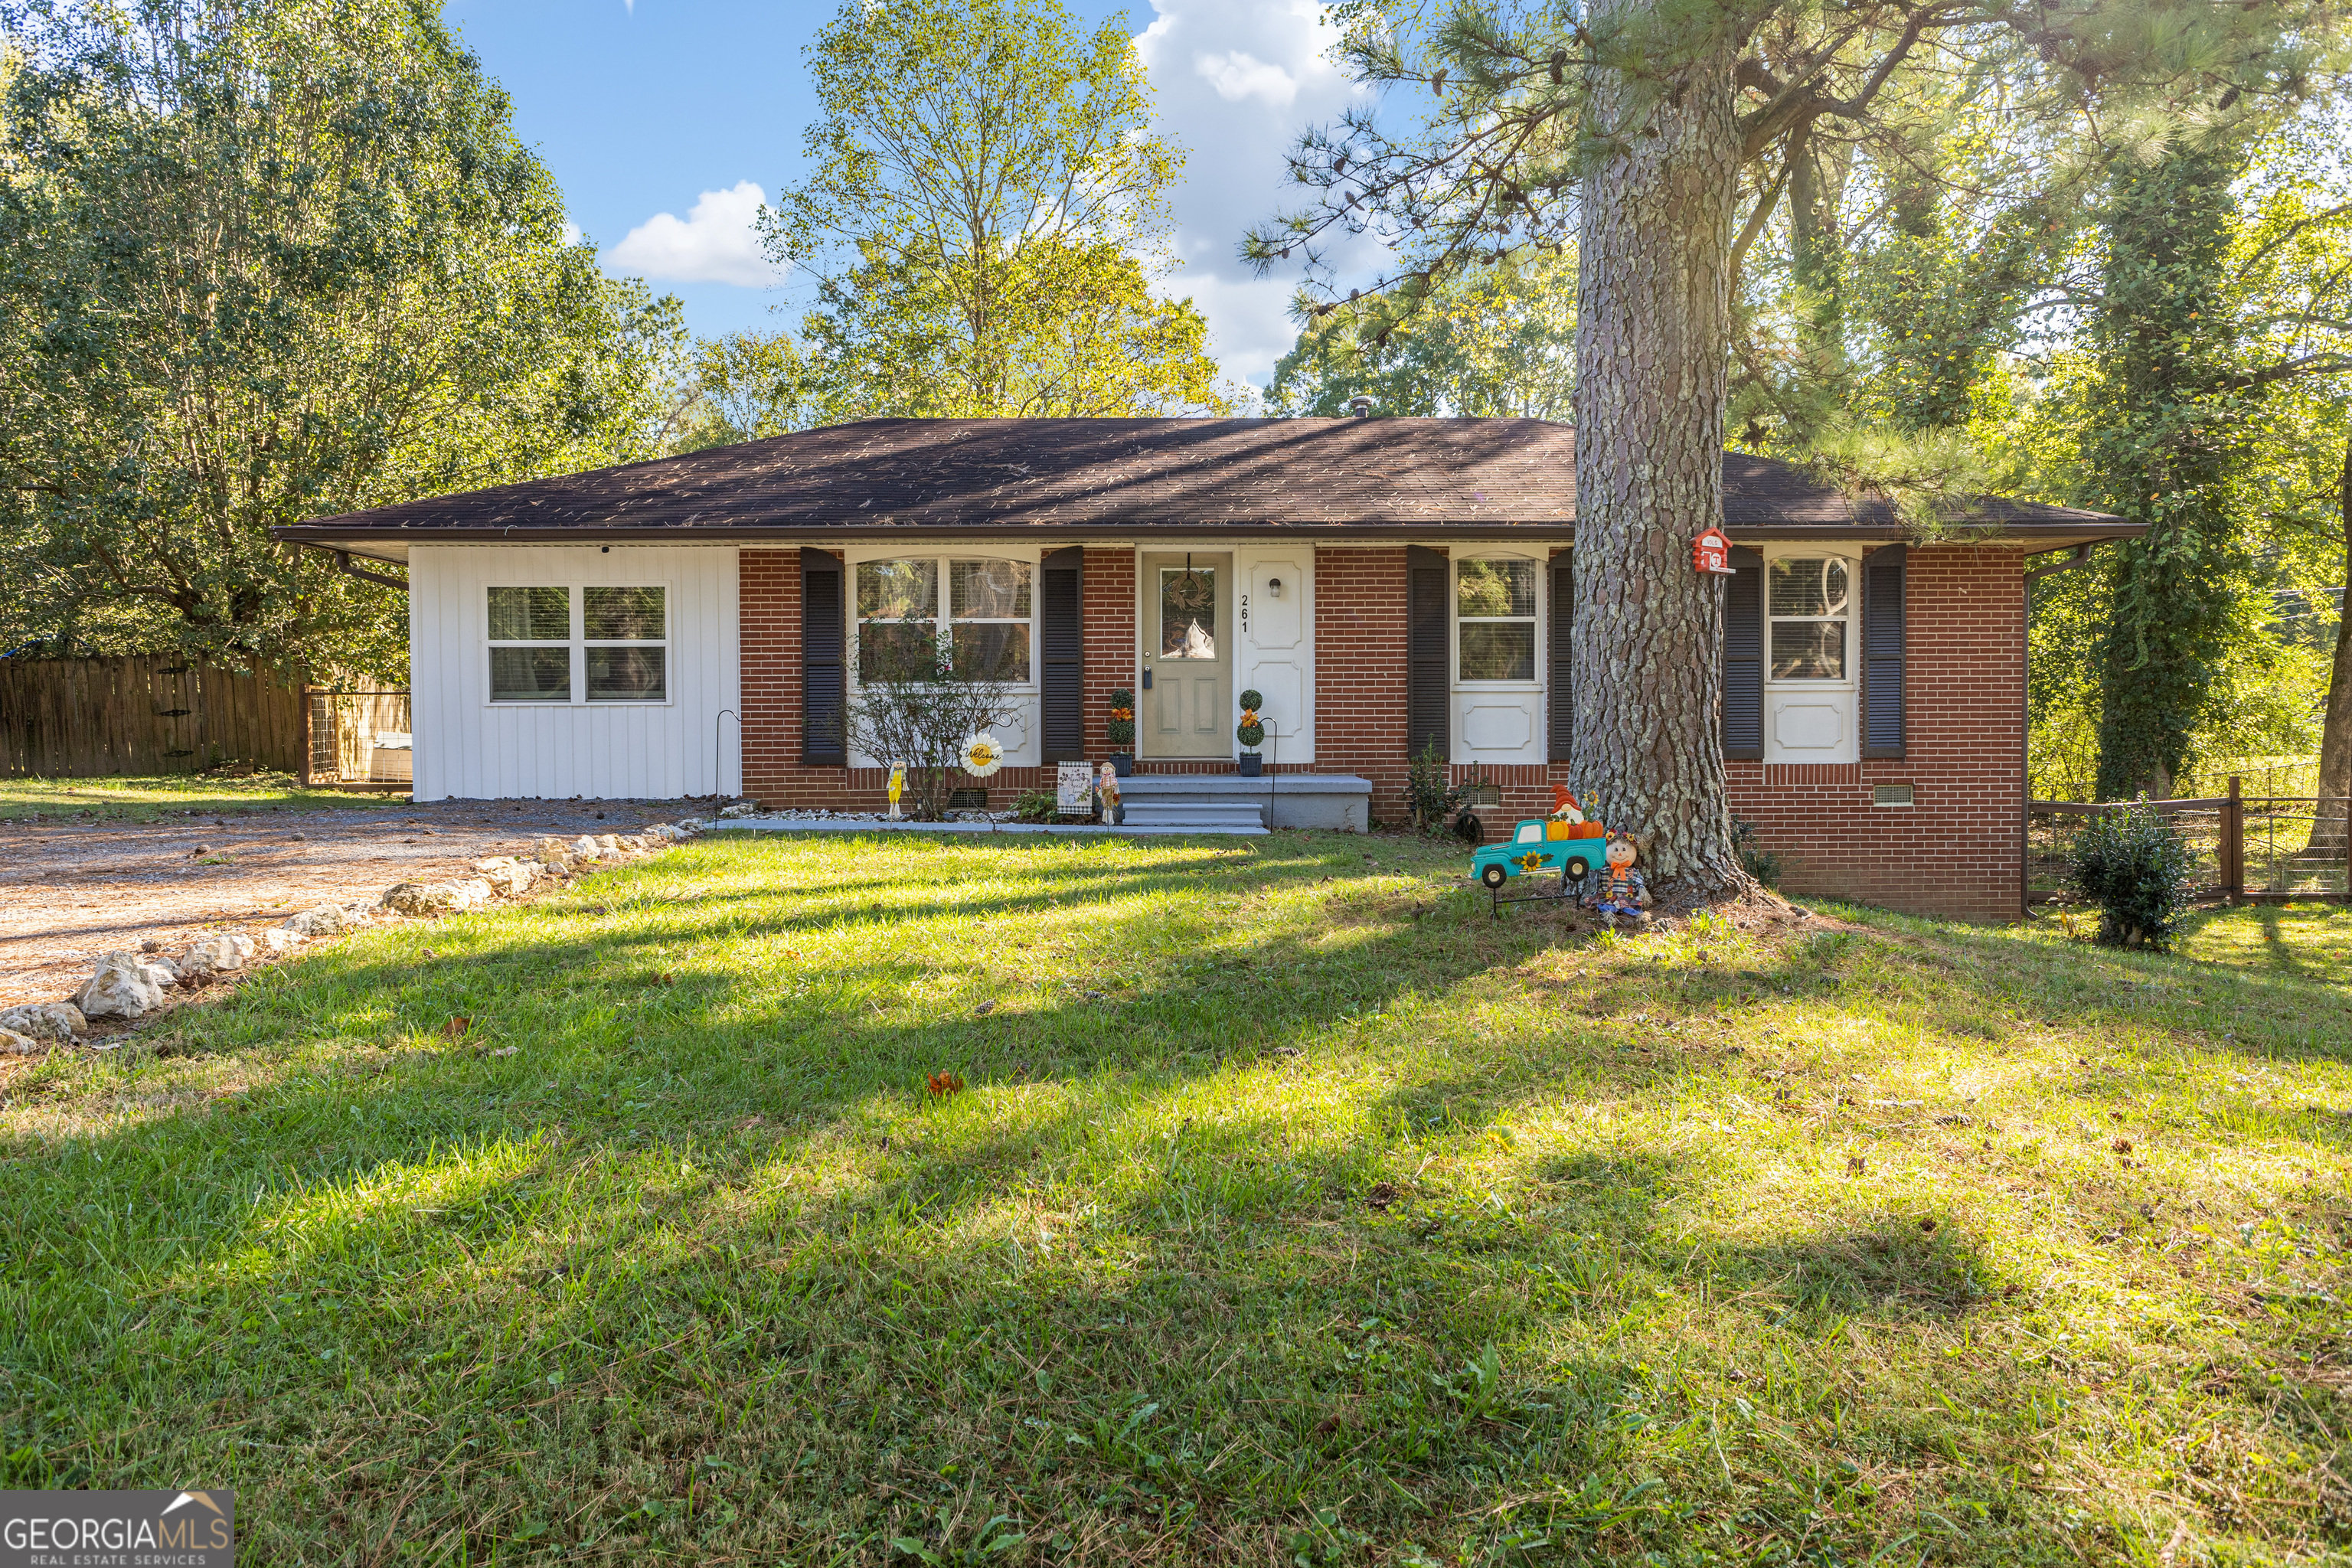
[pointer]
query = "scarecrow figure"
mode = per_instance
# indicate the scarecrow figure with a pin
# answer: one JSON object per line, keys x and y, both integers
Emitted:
{"x": 1622, "y": 890}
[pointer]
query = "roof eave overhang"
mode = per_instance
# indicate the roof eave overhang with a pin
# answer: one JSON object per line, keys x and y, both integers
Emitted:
{"x": 2050, "y": 534}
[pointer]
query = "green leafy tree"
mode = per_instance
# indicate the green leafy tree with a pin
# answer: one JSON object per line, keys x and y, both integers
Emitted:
{"x": 743, "y": 386}
{"x": 1498, "y": 339}
{"x": 1649, "y": 131}
{"x": 262, "y": 261}
{"x": 986, "y": 194}
{"x": 2161, "y": 450}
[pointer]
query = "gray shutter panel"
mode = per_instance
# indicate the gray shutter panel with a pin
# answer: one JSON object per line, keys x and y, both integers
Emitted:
{"x": 1743, "y": 657}
{"x": 1883, "y": 574}
{"x": 824, "y": 668}
{"x": 1428, "y": 667}
{"x": 1062, "y": 656}
{"x": 1563, "y": 665}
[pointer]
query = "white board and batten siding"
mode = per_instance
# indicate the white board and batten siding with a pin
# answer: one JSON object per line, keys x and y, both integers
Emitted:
{"x": 470, "y": 748}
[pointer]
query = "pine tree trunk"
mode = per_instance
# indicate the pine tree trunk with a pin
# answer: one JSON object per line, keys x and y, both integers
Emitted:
{"x": 2336, "y": 728}
{"x": 1653, "y": 346}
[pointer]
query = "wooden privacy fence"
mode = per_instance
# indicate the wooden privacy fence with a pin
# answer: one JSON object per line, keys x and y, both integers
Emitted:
{"x": 2245, "y": 848}
{"x": 89, "y": 718}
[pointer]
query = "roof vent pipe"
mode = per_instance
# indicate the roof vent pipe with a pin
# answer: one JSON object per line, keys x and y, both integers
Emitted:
{"x": 1359, "y": 405}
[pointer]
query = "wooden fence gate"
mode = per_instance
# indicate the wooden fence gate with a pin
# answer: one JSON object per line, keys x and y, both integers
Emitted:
{"x": 89, "y": 718}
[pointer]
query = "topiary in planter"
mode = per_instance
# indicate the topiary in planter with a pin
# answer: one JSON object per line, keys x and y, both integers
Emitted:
{"x": 1249, "y": 731}
{"x": 2133, "y": 867}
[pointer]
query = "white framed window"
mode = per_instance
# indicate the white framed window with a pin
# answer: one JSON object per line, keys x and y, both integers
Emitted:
{"x": 985, "y": 607}
{"x": 1494, "y": 612}
{"x": 579, "y": 643}
{"x": 1809, "y": 603}
{"x": 1812, "y": 599}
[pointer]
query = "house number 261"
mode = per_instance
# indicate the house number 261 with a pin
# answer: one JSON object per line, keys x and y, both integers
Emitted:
{"x": 1244, "y": 614}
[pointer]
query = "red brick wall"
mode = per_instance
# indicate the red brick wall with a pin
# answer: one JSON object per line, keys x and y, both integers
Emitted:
{"x": 1955, "y": 851}
{"x": 1107, "y": 592}
{"x": 1360, "y": 671}
{"x": 768, "y": 588}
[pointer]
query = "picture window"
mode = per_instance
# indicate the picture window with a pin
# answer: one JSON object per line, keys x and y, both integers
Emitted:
{"x": 986, "y": 616}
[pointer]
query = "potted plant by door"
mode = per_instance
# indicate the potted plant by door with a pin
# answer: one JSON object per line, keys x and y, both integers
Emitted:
{"x": 1251, "y": 734}
{"x": 1122, "y": 731}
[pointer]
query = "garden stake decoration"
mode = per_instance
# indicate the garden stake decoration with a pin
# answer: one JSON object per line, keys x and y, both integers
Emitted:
{"x": 1121, "y": 730}
{"x": 897, "y": 787}
{"x": 1107, "y": 786}
{"x": 980, "y": 756}
{"x": 1251, "y": 732}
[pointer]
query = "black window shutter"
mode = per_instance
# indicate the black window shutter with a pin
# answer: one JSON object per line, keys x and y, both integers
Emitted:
{"x": 825, "y": 669}
{"x": 1882, "y": 652}
{"x": 1563, "y": 665}
{"x": 1062, "y": 656}
{"x": 1428, "y": 669}
{"x": 1743, "y": 657}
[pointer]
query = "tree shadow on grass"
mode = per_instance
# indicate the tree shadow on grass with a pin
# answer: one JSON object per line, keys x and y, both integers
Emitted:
{"x": 585, "y": 1297}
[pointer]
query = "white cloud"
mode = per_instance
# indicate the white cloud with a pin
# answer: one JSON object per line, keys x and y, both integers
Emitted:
{"x": 714, "y": 244}
{"x": 1241, "y": 75}
{"x": 1237, "y": 81}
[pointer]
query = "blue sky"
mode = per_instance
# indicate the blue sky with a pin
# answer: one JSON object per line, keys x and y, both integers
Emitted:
{"x": 665, "y": 121}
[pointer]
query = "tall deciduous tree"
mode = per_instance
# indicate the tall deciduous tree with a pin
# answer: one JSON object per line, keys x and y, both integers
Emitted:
{"x": 2162, "y": 449}
{"x": 1498, "y": 339}
{"x": 739, "y": 387}
{"x": 987, "y": 194}
{"x": 1629, "y": 123}
{"x": 262, "y": 261}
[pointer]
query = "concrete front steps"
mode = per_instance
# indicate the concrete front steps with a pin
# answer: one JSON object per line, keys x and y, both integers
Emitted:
{"x": 1227, "y": 803}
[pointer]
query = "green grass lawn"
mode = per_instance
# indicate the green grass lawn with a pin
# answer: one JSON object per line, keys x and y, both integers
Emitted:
{"x": 1297, "y": 1213}
{"x": 145, "y": 799}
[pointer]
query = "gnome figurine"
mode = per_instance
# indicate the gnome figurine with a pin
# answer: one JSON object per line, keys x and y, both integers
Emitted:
{"x": 1106, "y": 791}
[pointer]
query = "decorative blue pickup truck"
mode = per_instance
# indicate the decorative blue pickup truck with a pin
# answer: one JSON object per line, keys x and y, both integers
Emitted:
{"x": 1540, "y": 845}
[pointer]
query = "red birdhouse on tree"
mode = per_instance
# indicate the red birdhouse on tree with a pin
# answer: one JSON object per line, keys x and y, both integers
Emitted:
{"x": 1711, "y": 552}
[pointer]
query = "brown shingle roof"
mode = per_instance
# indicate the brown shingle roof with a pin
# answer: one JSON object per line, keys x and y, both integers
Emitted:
{"x": 1088, "y": 476}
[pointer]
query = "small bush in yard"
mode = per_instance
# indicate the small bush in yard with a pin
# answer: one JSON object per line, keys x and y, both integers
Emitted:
{"x": 2133, "y": 867}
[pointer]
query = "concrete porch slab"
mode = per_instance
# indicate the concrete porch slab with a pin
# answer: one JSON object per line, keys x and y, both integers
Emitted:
{"x": 1339, "y": 802}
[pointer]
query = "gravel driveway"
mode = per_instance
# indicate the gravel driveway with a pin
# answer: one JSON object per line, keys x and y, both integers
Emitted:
{"x": 72, "y": 891}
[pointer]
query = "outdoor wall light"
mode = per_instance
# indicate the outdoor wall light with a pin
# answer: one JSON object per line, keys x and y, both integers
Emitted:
{"x": 1274, "y": 587}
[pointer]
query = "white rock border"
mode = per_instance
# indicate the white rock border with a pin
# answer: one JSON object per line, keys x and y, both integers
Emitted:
{"x": 130, "y": 986}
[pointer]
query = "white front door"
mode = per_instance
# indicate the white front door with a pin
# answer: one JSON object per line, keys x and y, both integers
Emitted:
{"x": 1185, "y": 709}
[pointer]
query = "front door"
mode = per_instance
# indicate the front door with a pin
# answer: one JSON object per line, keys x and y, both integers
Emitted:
{"x": 1188, "y": 658}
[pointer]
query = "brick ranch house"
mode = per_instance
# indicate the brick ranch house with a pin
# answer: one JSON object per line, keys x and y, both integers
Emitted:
{"x": 690, "y": 626}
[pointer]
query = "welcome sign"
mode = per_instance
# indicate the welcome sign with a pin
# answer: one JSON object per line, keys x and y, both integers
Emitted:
{"x": 117, "y": 1530}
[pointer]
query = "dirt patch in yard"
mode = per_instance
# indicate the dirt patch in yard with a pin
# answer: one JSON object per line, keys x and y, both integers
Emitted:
{"x": 72, "y": 891}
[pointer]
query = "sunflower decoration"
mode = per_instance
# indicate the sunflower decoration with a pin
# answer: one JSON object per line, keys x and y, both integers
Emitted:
{"x": 982, "y": 755}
